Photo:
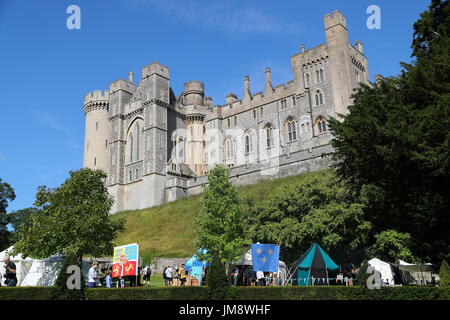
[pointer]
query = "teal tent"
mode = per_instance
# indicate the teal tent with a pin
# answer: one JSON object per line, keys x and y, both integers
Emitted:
{"x": 314, "y": 264}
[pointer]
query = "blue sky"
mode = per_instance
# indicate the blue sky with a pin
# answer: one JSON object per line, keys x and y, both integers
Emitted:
{"x": 47, "y": 69}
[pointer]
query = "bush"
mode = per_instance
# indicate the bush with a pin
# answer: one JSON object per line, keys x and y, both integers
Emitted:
{"x": 61, "y": 290}
{"x": 237, "y": 293}
{"x": 444, "y": 274}
{"x": 362, "y": 276}
{"x": 217, "y": 281}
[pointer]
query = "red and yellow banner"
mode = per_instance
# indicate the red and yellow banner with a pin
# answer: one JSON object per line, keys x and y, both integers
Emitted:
{"x": 125, "y": 260}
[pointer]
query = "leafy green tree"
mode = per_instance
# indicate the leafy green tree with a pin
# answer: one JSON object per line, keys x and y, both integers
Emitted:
{"x": 391, "y": 245}
{"x": 20, "y": 219}
{"x": 71, "y": 220}
{"x": 394, "y": 144}
{"x": 220, "y": 223}
{"x": 6, "y": 195}
{"x": 444, "y": 274}
{"x": 316, "y": 209}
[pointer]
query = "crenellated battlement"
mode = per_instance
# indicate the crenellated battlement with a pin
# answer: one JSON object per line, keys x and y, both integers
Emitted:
{"x": 335, "y": 18}
{"x": 95, "y": 100}
{"x": 122, "y": 84}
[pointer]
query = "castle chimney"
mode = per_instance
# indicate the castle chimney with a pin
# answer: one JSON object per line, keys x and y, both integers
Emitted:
{"x": 359, "y": 46}
{"x": 268, "y": 88}
{"x": 130, "y": 77}
{"x": 247, "y": 93}
{"x": 303, "y": 48}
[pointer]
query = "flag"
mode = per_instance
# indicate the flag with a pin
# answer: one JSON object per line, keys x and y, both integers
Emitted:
{"x": 125, "y": 260}
{"x": 265, "y": 257}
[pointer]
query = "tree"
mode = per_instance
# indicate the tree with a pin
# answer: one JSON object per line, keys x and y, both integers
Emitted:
{"x": 20, "y": 219}
{"x": 6, "y": 195}
{"x": 217, "y": 280}
{"x": 220, "y": 223}
{"x": 391, "y": 245}
{"x": 71, "y": 220}
{"x": 316, "y": 209}
{"x": 394, "y": 143}
{"x": 444, "y": 274}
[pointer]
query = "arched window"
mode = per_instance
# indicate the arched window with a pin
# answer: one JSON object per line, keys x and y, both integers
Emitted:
{"x": 134, "y": 142}
{"x": 307, "y": 80}
{"x": 229, "y": 148}
{"x": 248, "y": 141}
{"x": 319, "y": 98}
{"x": 317, "y": 76}
{"x": 321, "y": 124}
{"x": 269, "y": 136}
{"x": 321, "y": 75}
{"x": 291, "y": 126}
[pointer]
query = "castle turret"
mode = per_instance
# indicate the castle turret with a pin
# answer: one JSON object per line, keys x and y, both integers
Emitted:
{"x": 97, "y": 130}
{"x": 268, "y": 90}
{"x": 340, "y": 60}
{"x": 247, "y": 93}
{"x": 193, "y": 99}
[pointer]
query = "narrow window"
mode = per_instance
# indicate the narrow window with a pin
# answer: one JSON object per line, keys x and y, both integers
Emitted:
{"x": 96, "y": 126}
{"x": 235, "y": 120}
{"x": 317, "y": 76}
{"x": 254, "y": 114}
{"x": 293, "y": 101}
{"x": 95, "y": 161}
{"x": 106, "y": 143}
{"x": 307, "y": 80}
{"x": 321, "y": 75}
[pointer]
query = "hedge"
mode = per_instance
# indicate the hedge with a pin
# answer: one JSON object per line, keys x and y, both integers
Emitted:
{"x": 237, "y": 293}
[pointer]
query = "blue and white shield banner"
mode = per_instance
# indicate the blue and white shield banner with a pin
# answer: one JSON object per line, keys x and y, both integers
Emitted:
{"x": 265, "y": 257}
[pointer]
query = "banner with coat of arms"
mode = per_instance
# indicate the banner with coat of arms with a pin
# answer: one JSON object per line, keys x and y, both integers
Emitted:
{"x": 125, "y": 260}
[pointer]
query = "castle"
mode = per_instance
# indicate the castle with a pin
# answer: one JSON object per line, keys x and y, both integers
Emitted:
{"x": 156, "y": 147}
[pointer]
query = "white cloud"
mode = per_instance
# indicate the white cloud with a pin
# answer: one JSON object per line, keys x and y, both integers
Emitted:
{"x": 221, "y": 15}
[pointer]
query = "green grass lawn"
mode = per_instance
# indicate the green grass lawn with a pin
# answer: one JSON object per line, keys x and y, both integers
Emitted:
{"x": 168, "y": 230}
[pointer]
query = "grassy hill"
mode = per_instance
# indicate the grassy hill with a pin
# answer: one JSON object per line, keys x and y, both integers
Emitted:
{"x": 168, "y": 230}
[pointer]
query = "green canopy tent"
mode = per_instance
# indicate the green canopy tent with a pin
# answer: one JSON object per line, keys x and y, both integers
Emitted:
{"x": 314, "y": 264}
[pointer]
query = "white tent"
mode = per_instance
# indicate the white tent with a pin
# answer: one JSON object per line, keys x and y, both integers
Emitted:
{"x": 23, "y": 265}
{"x": 246, "y": 260}
{"x": 384, "y": 268}
{"x": 416, "y": 273}
{"x": 43, "y": 273}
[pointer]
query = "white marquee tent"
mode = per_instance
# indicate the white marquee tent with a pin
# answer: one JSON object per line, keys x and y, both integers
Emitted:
{"x": 23, "y": 265}
{"x": 384, "y": 268}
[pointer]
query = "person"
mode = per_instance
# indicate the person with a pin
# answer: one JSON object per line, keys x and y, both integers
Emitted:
{"x": 260, "y": 278}
{"x": 248, "y": 274}
{"x": 182, "y": 272}
{"x": 147, "y": 275}
{"x": 10, "y": 272}
{"x": 169, "y": 275}
{"x": 93, "y": 275}
{"x": 235, "y": 275}
{"x": 175, "y": 276}
{"x": 140, "y": 273}
{"x": 164, "y": 275}
{"x": 108, "y": 279}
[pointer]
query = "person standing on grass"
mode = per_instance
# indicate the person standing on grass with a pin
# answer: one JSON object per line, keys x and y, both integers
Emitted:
{"x": 147, "y": 275}
{"x": 169, "y": 275}
{"x": 108, "y": 279}
{"x": 93, "y": 275}
{"x": 10, "y": 274}
{"x": 182, "y": 272}
{"x": 175, "y": 276}
{"x": 260, "y": 278}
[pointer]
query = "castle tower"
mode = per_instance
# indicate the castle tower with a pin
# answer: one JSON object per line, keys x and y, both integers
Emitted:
{"x": 340, "y": 60}
{"x": 96, "y": 107}
{"x": 193, "y": 101}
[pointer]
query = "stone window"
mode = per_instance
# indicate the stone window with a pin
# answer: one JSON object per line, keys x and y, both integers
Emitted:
{"x": 291, "y": 126}
{"x": 307, "y": 80}
{"x": 134, "y": 143}
{"x": 235, "y": 120}
{"x": 317, "y": 76}
{"x": 261, "y": 111}
{"x": 293, "y": 101}
{"x": 137, "y": 173}
{"x": 269, "y": 136}
{"x": 228, "y": 122}
{"x": 321, "y": 124}
{"x": 95, "y": 161}
{"x": 96, "y": 126}
{"x": 248, "y": 143}
{"x": 106, "y": 143}
{"x": 229, "y": 148}
{"x": 254, "y": 114}
{"x": 319, "y": 98}
{"x": 321, "y": 75}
